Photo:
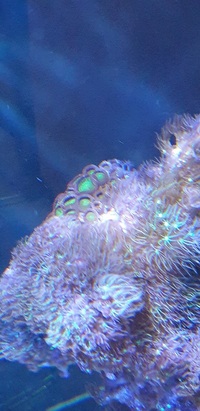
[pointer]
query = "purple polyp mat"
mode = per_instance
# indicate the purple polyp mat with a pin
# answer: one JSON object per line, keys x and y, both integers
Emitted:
{"x": 109, "y": 281}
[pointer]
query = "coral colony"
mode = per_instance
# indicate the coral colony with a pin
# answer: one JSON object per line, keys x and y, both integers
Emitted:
{"x": 110, "y": 280}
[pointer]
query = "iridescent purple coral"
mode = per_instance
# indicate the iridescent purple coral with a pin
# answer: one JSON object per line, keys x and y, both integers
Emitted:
{"x": 109, "y": 280}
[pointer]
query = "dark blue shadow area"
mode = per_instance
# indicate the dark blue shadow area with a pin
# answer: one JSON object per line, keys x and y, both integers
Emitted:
{"x": 82, "y": 81}
{"x": 16, "y": 106}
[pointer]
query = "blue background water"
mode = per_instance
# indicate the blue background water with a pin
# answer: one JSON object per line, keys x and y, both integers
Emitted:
{"x": 82, "y": 81}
